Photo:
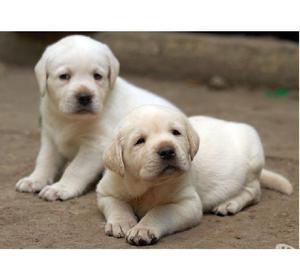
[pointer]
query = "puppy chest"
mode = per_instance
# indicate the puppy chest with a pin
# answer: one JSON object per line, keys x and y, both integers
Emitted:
{"x": 143, "y": 204}
{"x": 68, "y": 149}
{"x": 67, "y": 146}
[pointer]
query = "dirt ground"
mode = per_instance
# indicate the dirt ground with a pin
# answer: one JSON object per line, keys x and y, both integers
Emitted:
{"x": 28, "y": 222}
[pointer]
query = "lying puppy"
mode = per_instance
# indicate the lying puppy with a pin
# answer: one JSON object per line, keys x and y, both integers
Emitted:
{"x": 150, "y": 174}
{"x": 82, "y": 100}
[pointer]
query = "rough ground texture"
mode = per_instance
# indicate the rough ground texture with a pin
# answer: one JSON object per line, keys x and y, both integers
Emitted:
{"x": 28, "y": 222}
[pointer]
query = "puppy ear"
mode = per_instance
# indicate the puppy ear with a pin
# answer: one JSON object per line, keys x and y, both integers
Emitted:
{"x": 113, "y": 157}
{"x": 41, "y": 73}
{"x": 114, "y": 67}
{"x": 193, "y": 139}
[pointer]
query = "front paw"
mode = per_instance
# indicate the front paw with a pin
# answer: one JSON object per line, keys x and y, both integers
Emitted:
{"x": 57, "y": 192}
{"x": 142, "y": 236}
{"x": 30, "y": 184}
{"x": 119, "y": 229}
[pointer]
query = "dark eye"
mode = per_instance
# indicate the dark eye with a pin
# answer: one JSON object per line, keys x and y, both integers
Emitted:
{"x": 65, "y": 76}
{"x": 140, "y": 141}
{"x": 175, "y": 132}
{"x": 97, "y": 76}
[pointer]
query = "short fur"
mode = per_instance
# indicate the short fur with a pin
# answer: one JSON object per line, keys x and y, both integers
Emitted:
{"x": 152, "y": 197}
{"x": 73, "y": 137}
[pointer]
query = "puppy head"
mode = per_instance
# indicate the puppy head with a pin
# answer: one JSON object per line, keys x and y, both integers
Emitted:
{"x": 151, "y": 144}
{"x": 76, "y": 73}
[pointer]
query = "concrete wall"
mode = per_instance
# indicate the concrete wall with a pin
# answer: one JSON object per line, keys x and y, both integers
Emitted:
{"x": 220, "y": 61}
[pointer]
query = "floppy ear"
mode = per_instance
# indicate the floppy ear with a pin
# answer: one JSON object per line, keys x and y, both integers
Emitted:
{"x": 41, "y": 73}
{"x": 113, "y": 157}
{"x": 114, "y": 67}
{"x": 193, "y": 139}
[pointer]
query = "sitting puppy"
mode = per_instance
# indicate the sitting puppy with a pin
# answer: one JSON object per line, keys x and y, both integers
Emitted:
{"x": 82, "y": 100}
{"x": 153, "y": 173}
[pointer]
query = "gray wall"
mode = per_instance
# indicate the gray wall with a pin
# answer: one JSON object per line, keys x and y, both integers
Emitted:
{"x": 221, "y": 61}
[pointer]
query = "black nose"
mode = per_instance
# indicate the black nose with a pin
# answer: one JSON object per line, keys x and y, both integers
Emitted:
{"x": 167, "y": 153}
{"x": 84, "y": 99}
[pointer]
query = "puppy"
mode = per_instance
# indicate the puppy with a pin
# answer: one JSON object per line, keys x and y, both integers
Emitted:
{"x": 82, "y": 100}
{"x": 154, "y": 174}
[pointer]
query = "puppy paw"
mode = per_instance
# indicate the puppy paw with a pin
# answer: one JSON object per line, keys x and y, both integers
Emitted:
{"x": 119, "y": 229}
{"x": 29, "y": 184}
{"x": 142, "y": 236}
{"x": 56, "y": 192}
{"x": 227, "y": 208}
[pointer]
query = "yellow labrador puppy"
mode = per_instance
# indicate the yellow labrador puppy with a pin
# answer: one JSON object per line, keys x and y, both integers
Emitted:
{"x": 155, "y": 174}
{"x": 82, "y": 100}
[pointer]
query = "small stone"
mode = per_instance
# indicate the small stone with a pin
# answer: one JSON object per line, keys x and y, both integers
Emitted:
{"x": 284, "y": 214}
{"x": 217, "y": 82}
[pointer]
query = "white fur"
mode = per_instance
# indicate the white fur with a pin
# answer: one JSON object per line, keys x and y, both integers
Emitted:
{"x": 72, "y": 142}
{"x": 222, "y": 178}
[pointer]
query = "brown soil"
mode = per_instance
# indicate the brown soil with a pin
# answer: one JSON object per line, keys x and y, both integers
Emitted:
{"x": 28, "y": 222}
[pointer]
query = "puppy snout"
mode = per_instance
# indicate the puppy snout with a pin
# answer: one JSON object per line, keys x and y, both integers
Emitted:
{"x": 167, "y": 153}
{"x": 84, "y": 98}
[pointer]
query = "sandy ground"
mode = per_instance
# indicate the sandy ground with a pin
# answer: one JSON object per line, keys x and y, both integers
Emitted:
{"x": 28, "y": 222}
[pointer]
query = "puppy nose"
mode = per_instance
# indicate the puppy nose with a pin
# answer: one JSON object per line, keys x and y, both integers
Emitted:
{"x": 167, "y": 153}
{"x": 84, "y": 98}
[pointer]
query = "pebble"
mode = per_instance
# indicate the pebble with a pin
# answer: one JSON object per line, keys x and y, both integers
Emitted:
{"x": 217, "y": 82}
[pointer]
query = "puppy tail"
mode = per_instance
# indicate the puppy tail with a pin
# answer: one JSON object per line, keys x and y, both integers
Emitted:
{"x": 275, "y": 181}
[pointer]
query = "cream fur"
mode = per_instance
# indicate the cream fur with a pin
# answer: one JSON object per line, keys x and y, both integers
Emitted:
{"x": 146, "y": 202}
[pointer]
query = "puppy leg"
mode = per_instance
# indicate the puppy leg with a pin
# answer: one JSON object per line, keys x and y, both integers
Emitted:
{"x": 165, "y": 219}
{"x": 81, "y": 172}
{"x": 250, "y": 194}
{"x": 48, "y": 164}
{"x": 118, "y": 214}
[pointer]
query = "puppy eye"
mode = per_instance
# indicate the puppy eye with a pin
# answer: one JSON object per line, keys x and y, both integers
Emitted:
{"x": 175, "y": 132}
{"x": 97, "y": 76}
{"x": 65, "y": 76}
{"x": 140, "y": 141}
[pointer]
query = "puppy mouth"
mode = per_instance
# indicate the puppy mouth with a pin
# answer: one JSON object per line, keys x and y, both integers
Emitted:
{"x": 169, "y": 170}
{"x": 84, "y": 111}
